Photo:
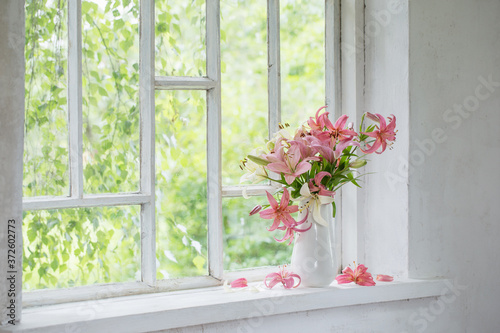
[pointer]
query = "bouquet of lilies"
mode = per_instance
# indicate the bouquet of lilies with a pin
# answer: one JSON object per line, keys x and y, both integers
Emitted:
{"x": 311, "y": 164}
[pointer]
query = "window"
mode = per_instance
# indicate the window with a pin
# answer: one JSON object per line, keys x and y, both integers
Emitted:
{"x": 138, "y": 113}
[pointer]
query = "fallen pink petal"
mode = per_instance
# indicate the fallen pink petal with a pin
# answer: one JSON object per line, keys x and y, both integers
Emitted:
{"x": 239, "y": 283}
{"x": 384, "y": 278}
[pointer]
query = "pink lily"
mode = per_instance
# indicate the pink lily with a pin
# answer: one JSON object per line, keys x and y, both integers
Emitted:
{"x": 289, "y": 163}
{"x": 283, "y": 276}
{"x": 318, "y": 122}
{"x": 385, "y": 278}
{"x": 290, "y": 231}
{"x": 339, "y": 130}
{"x": 280, "y": 212}
{"x": 239, "y": 283}
{"x": 306, "y": 149}
{"x": 315, "y": 185}
{"x": 382, "y": 134}
{"x": 339, "y": 148}
{"x": 324, "y": 150}
{"x": 359, "y": 276}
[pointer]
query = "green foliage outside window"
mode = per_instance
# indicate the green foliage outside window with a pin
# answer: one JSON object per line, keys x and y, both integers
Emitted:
{"x": 74, "y": 247}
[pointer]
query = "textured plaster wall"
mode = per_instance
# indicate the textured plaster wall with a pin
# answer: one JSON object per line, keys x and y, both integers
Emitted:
{"x": 11, "y": 140}
{"x": 454, "y": 178}
{"x": 385, "y": 210}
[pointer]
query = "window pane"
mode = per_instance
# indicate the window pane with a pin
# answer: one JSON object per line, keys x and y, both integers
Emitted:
{"x": 244, "y": 82}
{"x": 76, "y": 247}
{"x": 46, "y": 131}
{"x": 302, "y": 34}
{"x": 180, "y": 37}
{"x": 110, "y": 96}
{"x": 181, "y": 183}
{"x": 247, "y": 243}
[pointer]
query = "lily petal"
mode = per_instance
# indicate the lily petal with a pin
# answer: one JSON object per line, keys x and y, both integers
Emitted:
{"x": 344, "y": 278}
{"x": 323, "y": 199}
{"x": 304, "y": 190}
{"x": 385, "y": 278}
{"x": 317, "y": 213}
{"x": 289, "y": 179}
{"x": 239, "y": 283}
{"x": 301, "y": 168}
{"x": 275, "y": 278}
{"x": 268, "y": 214}
{"x": 285, "y": 199}
{"x": 298, "y": 277}
{"x": 272, "y": 201}
{"x": 288, "y": 283}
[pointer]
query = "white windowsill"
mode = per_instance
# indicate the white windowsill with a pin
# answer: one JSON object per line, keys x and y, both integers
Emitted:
{"x": 152, "y": 312}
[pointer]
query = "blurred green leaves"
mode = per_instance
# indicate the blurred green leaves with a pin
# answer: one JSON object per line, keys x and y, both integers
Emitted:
{"x": 74, "y": 247}
{"x": 46, "y": 137}
{"x": 110, "y": 38}
{"x": 181, "y": 183}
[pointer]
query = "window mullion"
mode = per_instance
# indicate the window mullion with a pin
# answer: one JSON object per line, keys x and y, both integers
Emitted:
{"x": 215, "y": 240}
{"x": 75, "y": 97}
{"x": 183, "y": 83}
{"x": 352, "y": 26}
{"x": 274, "y": 66}
{"x": 147, "y": 132}
{"x": 332, "y": 98}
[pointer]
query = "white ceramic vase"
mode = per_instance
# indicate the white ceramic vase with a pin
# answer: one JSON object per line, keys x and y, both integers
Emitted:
{"x": 312, "y": 257}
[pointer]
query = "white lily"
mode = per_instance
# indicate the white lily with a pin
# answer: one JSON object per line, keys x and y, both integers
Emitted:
{"x": 314, "y": 203}
{"x": 254, "y": 173}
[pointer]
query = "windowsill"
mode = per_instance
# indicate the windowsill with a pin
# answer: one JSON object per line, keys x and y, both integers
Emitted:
{"x": 152, "y": 312}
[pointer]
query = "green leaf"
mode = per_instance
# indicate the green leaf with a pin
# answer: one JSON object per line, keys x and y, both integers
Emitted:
{"x": 54, "y": 264}
{"x": 31, "y": 235}
{"x": 103, "y": 92}
{"x": 199, "y": 262}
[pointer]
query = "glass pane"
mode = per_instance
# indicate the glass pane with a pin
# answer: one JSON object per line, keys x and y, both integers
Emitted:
{"x": 46, "y": 128}
{"x": 180, "y": 37}
{"x": 244, "y": 82}
{"x": 110, "y": 96}
{"x": 302, "y": 35}
{"x": 181, "y": 183}
{"x": 247, "y": 243}
{"x": 77, "y": 247}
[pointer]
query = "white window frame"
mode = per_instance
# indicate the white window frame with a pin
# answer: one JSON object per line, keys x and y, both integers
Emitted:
{"x": 149, "y": 83}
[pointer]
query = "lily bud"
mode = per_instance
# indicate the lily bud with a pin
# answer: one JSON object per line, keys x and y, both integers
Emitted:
{"x": 258, "y": 160}
{"x": 255, "y": 210}
{"x": 358, "y": 164}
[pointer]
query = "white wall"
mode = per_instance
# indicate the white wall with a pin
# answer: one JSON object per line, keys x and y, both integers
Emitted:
{"x": 454, "y": 189}
{"x": 385, "y": 210}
